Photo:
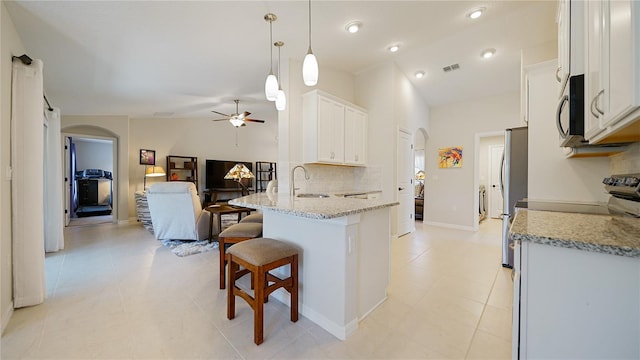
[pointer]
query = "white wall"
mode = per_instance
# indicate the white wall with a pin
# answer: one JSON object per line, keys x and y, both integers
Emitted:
{"x": 10, "y": 44}
{"x": 553, "y": 177}
{"x": 93, "y": 154}
{"x": 393, "y": 103}
{"x": 202, "y": 138}
{"x": 450, "y": 193}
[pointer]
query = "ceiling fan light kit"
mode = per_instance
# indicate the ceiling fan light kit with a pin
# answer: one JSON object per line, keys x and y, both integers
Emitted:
{"x": 271, "y": 84}
{"x": 281, "y": 99}
{"x": 310, "y": 63}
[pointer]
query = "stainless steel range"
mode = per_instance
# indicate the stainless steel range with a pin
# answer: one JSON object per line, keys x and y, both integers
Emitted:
{"x": 625, "y": 194}
{"x": 624, "y": 199}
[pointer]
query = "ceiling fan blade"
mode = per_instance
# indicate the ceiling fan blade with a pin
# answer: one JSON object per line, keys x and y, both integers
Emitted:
{"x": 227, "y": 119}
{"x": 219, "y": 113}
{"x": 254, "y": 120}
{"x": 246, "y": 113}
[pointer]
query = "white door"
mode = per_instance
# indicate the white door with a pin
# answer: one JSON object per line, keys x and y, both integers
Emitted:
{"x": 495, "y": 195}
{"x": 68, "y": 179}
{"x": 405, "y": 183}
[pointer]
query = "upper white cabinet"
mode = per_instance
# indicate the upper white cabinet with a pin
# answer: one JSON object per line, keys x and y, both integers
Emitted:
{"x": 570, "y": 19}
{"x": 355, "y": 130}
{"x": 613, "y": 71}
{"x": 334, "y": 130}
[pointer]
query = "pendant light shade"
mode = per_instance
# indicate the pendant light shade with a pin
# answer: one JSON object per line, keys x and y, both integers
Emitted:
{"x": 281, "y": 99}
{"x": 271, "y": 87}
{"x": 271, "y": 84}
{"x": 310, "y": 69}
{"x": 310, "y": 63}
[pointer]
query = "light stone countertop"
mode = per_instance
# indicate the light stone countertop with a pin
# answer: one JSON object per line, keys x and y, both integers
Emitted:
{"x": 616, "y": 235}
{"x": 314, "y": 208}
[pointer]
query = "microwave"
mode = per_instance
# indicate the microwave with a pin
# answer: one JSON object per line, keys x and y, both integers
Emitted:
{"x": 570, "y": 113}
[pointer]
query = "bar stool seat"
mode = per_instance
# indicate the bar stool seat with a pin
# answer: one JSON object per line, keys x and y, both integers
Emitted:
{"x": 258, "y": 257}
{"x": 254, "y": 218}
{"x": 235, "y": 234}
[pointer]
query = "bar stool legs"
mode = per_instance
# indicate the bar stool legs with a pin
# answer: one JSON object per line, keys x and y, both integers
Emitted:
{"x": 255, "y": 258}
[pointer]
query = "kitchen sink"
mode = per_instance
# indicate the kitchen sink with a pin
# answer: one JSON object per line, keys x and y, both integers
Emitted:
{"x": 317, "y": 196}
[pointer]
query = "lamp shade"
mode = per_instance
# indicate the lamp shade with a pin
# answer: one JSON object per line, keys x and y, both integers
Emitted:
{"x": 271, "y": 87}
{"x": 310, "y": 69}
{"x": 281, "y": 100}
{"x": 154, "y": 171}
{"x": 239, "y": 171}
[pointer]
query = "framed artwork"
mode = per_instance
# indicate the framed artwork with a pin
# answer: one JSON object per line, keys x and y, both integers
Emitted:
{"x": 147, "y": 157}
{"x": 450, "y": 157}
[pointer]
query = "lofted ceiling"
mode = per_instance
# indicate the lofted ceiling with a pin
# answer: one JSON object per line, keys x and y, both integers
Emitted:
{"x": 183, "y": 59}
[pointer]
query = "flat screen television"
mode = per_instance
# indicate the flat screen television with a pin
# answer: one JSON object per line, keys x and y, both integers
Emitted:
{"x": 217, "y": 169}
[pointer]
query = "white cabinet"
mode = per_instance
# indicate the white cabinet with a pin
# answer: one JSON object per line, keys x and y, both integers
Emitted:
{"x": 355, "y": 130}
{"x": 570, "y": 20}
{"x": 613, "y": 71}
{"x": 576, "y": 304}
{"x": 334, "y": 130}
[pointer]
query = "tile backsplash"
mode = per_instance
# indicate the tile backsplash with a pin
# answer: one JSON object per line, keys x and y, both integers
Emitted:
{"x": 627, "y": 162}
{"x": 333, "y": 178}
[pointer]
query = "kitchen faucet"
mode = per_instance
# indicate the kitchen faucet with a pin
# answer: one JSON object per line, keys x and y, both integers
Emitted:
{"x": 292, "y": 186}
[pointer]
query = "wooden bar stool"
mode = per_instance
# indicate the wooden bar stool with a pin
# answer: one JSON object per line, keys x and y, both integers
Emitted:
{"x": 258, "y": 257}
{"x": 232, "y": 235}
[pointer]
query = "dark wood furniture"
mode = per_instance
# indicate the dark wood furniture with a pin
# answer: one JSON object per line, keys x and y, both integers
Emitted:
{"x": 258, "y": 257}
{"x": 264, "y": 172}
{"x": 220, "y": 210}
{"x": 419, "y": 207}
{"x": 182, "y": 168}
{"x": 233, "y": 235}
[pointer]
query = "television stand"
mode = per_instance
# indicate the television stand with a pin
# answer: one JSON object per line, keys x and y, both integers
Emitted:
{"x": 211, "y": 195}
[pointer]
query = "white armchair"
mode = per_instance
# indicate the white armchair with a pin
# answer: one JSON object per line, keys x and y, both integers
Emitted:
{"x": 176, "y": 212}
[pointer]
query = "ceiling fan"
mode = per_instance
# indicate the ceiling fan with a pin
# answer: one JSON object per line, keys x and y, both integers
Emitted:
{"x": 237, "y": 119}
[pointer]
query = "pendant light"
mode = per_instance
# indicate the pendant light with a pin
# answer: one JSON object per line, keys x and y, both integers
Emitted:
{"x": 281, "y": 100}
{"x": 310, "y": 64}
{"x": 271, "y": 84}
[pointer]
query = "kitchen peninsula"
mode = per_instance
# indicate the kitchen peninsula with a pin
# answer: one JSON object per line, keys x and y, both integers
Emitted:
{"x": 344, "y": 246}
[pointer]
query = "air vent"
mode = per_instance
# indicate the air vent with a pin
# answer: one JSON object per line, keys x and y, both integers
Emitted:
{"x": 451, "y": 67}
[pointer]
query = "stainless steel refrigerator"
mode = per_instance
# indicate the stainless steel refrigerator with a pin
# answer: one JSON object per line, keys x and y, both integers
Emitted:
{"x": 513, "y": 183}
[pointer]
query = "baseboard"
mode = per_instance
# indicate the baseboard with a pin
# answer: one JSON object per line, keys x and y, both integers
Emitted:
{"x": 372, "y": 309}
{"x": 449, "y": 226}
{"x": 6, "y": 316}
{"x": 341, "y": 332}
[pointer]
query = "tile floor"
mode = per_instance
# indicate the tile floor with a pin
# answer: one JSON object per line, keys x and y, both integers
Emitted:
{"x": 116, "y": 293}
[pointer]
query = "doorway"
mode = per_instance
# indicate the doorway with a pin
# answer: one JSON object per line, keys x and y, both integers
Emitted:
{"x": 89, "y": 180}
{"x": 419, "y": 141}
{"x": 404, "y": 180}
{"x": 488, "y": 199}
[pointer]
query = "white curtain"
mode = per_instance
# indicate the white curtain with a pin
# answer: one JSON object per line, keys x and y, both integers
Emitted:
{"x": 27, "y": 200}
{"x": 53, "y": 183}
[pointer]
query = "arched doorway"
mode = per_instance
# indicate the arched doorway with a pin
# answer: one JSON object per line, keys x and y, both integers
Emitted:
{"x": 419, "y": 141}
{"x": 91, "y": 189}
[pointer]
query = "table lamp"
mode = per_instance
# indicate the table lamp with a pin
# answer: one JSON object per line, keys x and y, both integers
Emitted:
{"x": 239, "y": 172}
{"x": 153, "y": 171}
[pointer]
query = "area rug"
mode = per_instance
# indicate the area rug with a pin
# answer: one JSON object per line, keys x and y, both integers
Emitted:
{"x": 186, "y": 248}
{"x": 189, "y": 247}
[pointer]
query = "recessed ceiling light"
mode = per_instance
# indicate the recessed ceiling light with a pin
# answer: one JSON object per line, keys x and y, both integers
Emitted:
{"x": 353, "y": 27}
{"x": 488, "y": 53}
{"x": 394, "y": 48}
{"x": 419, "y": 74}
{"x": 476, "y": 13}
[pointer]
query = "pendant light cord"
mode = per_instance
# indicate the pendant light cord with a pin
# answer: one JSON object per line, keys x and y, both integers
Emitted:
{"x": 309, "y": 25}
{"x": 270, "y": 46}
